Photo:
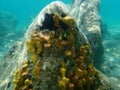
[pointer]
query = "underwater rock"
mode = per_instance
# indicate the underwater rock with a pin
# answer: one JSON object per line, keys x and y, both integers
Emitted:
{"x": 8, "y": 25}
{"x": 89, "y": 23}
{"x": 57, "y": 56}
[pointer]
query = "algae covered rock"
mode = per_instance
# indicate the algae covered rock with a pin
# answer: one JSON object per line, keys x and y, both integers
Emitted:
{"x": 57, "y": 51}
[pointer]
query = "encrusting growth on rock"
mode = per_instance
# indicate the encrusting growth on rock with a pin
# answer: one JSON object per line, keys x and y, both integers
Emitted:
{"x": 73, "y": 69}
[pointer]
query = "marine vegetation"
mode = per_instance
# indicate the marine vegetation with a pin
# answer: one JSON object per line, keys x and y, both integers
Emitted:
{"x": 56, "y": 59}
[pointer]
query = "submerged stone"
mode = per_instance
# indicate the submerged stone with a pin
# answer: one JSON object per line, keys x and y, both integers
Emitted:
{"x": 57, "y": 51}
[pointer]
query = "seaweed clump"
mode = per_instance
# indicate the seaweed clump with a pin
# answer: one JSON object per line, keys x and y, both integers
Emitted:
{"x": 56, "y": 60}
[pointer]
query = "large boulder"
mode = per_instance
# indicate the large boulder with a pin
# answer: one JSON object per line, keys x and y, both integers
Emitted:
{"x": 57, "y": 51}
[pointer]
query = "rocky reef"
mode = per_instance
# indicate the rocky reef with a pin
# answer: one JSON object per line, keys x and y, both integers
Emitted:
{"x": 58, "y": 51}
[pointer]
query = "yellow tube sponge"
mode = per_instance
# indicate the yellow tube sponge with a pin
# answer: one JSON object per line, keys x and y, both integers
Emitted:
{"x": 69, "y": 21}
{"x": 34, "y": 58}
{"x": 27, "y": 82}
{"x": 69, "y": 53}
{"x": 36, "y": 69}
{"x": 62, "y": 84}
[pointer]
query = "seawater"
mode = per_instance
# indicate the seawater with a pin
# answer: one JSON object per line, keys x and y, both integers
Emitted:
{"x": 110, "y": 12}
{"x": 25, "y": 10}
